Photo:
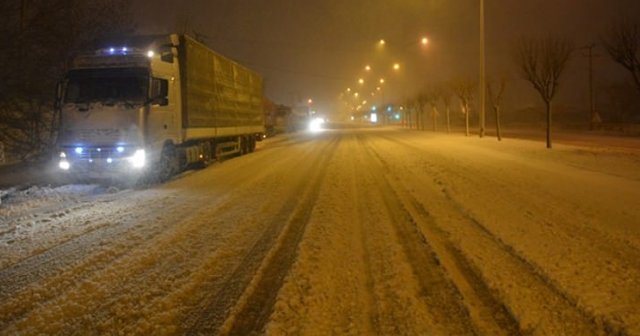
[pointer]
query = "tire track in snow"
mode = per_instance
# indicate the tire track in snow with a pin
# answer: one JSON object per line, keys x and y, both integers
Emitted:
{"x": 488, "y": 314}
{"x": 100, "y": 262}
{"x": 566, "y": 317}
{"x": 329, "y": 288}
{"x": 205, "y": 230}
{"x": 44, "y": 213}
{"x": 362, "y": 210}
{"x": 77, "y": 259}
{"x": 438, "y": 292}
{"x": 242, "y": 303}
{"x": 64, "y": 253}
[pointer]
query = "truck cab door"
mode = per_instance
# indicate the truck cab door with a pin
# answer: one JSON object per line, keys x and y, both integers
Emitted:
{"x": 161, "y": 122}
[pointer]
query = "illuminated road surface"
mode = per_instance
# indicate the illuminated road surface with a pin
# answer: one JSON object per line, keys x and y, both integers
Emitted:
{"x": 356, "y": 232}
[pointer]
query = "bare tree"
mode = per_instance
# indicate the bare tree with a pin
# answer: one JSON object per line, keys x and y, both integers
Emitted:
{"x": 464, "y": 89}
{"x": 407, "y": 110}
{"x": 411, "y": 112}
{"x": 445, "y": 96}
{"x": 420, "y": 102}
{"x": 432, "y": 96}
{"x": 37, "y": 49}
{"x": 622, "y": 42}
{"x": 542, "y": 61}
{"x": 495, "y": 93}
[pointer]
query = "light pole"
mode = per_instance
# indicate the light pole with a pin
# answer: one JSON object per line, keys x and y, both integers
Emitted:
{"x": 483, "y": 84}
{"x": 594, "y": 117}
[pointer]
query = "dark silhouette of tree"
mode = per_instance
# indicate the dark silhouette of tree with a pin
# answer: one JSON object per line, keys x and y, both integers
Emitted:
{"x": 410, "y": 112}
{"x": 622, "y": 42}
{"x": 432, "y": 97}
{"x": 419, "y": 103}
{"x": 464, "y": 89}
{"x": 445, "y": 96}
{"x": 495, "y": 92}
{"x": 542, "y": 61}
{"x": 39, "y": 39}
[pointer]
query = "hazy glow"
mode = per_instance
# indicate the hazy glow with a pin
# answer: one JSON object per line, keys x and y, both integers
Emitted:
{"x": 315, "y": 125}
{"x": 64, "y": 165}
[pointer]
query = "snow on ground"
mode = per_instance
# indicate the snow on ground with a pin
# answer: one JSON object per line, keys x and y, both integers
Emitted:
{"x": 372, "y": 231}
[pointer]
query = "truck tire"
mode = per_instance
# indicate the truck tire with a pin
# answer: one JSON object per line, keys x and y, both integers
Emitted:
{"x": 243, "y": 145}
{"x": 168, "y": 165}
{"x": 252, "y": 144}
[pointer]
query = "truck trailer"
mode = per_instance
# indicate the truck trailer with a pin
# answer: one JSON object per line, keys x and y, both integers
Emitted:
{"x": 154, "y": 106}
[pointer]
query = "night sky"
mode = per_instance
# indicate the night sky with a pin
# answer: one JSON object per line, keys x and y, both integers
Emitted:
{"x": 316, "y": 49}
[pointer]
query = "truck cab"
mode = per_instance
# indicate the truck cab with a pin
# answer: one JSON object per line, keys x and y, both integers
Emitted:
{"x": 118, "y": 106}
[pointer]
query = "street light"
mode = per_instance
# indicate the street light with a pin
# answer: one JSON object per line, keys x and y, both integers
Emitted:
{"x": 361, "y": 81}
{"x": 424, "y": 41}
{"x": 483, "y": 85}
{"x": 396, "y": 66}
{"x": 367, "y": 68}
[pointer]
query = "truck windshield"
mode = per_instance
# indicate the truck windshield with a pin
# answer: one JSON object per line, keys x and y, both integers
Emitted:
{"x": 109, "y": 86}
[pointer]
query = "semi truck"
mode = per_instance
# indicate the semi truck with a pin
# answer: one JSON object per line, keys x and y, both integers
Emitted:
{"x": 154, "y": 106}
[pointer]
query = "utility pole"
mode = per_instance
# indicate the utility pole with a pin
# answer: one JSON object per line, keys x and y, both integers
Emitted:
{"x": 594, "y": 117}
{"x": 482, "y": 71}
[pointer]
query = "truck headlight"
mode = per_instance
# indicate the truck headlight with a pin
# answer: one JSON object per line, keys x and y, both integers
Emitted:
{"x": 138, "y": 159}
{"x": 64, "y": 165}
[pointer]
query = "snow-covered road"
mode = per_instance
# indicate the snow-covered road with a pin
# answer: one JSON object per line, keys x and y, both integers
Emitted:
{"x": 354, "y": 231}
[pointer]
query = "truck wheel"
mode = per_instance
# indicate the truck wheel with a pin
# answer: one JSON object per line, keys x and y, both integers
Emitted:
{"x": 168, "y": 163}
{"x": 252, "y": 144}
{"x": 243, "y": 145}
